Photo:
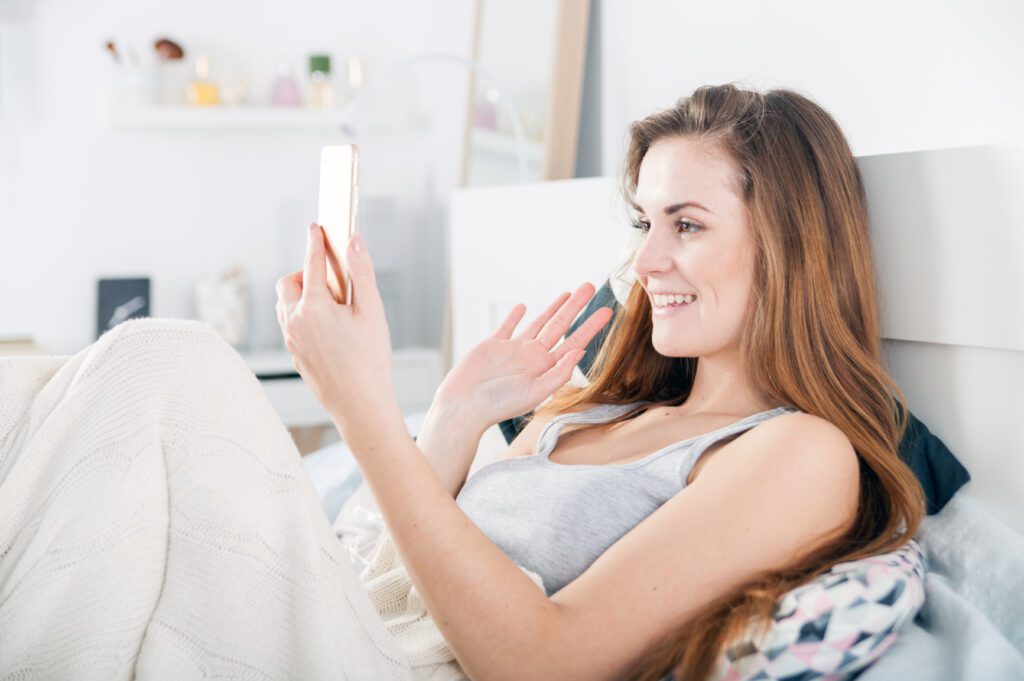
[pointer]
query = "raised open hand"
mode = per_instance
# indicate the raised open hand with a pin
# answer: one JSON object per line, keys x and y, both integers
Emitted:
{"x": 506, "y": 375}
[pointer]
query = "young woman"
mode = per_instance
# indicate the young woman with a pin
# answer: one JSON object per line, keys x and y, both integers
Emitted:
{"x": 753, "y": 318}
{"x": 738, "y": 435}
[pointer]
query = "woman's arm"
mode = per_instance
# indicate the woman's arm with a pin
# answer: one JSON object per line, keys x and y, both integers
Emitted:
{"x": 451, "y": 444}
{"x": 449, "y": 441}
{"x": 476, "y": 393}
{"x": 497, "y": 621}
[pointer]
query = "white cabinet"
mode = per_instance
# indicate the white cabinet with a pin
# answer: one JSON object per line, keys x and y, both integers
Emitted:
{"x": 416, "y": 375}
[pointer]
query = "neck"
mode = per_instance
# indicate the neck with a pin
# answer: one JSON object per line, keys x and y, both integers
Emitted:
{"x": 722, "y": 387}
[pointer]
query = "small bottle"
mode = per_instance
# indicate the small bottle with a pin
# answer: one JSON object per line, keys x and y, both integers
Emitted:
{"x": 285, "y": 91}
{"x": 352, "y": 80}
{"x": 355, "y": 74}
{"x": 202, "y": 91}
{"x": 486, "y": 115}
{"x": 321, "y": 89}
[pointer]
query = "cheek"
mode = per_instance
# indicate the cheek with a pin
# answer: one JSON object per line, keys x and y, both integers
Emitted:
{"x": 724, "y": 285}
{"x": 740, "y": 282}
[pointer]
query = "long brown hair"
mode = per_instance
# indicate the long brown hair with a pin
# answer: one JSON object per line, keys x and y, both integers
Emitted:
{"x": 811, "y": 338}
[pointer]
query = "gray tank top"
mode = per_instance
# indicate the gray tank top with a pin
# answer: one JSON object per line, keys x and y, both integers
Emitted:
{"x": 556, "y": 519}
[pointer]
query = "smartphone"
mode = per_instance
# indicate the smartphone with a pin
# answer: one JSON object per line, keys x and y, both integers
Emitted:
{"x": 338, "y": 202}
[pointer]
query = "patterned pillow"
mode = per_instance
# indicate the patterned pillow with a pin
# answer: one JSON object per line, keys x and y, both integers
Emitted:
{"x": 834, "y": 626}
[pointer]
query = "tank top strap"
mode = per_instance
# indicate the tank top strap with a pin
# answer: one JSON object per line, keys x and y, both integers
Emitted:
{"x": 736, "y": 428}
{"x": 597, "y": 414}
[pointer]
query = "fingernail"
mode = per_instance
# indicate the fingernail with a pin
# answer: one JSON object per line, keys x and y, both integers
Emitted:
{"x": 312, "y": 227}
{"x": 357, "y": 242}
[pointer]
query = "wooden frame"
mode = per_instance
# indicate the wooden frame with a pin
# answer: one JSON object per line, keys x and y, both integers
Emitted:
{"x": 562, "y": 114}
{"x": 562, "y": 111}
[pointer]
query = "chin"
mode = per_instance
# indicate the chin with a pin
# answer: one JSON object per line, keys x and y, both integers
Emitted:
{"x": 669, "y": 349}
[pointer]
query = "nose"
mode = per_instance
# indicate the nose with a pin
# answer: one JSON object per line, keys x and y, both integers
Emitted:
{"x": 653, "y": 256}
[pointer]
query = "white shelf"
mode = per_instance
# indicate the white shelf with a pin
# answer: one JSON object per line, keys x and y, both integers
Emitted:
{"x": 269, "y": 362}
{"x": 223, "y": 118}
{"x": 416, "y": 374}
{"x": 266, "y": 118}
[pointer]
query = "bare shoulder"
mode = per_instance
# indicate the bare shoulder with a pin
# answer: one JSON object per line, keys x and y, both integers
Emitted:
{"x": 525, "y": 442}
{"x": 796, "y": 446}
{"x": 798, "y": 435}
{"x": 775, "y": 493}
{"x": 807, "y": 434}
{"x": 800, "y": 425}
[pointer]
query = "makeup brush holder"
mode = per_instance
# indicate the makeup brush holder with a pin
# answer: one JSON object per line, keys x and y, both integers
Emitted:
{"x": 136, "y": 85}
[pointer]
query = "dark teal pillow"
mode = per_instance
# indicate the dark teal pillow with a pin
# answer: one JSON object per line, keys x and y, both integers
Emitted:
{"x": 940, "y": 473}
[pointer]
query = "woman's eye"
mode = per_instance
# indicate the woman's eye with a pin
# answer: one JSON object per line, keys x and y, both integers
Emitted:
{"x": 684, "y": 226}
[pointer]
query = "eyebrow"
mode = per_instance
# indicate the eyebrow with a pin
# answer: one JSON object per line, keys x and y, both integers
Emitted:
{"x": 669, "y": 210}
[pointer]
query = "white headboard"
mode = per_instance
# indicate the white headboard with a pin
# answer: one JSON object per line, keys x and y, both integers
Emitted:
{"x": 948, "y": 236}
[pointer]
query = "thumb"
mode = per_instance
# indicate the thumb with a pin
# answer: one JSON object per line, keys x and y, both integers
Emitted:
{"x": 365, "y": 295}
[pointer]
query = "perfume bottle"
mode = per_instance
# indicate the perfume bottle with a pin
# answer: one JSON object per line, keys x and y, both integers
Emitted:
{"x": 355, "y": 75}
{"x": 352, "y": 80}
{"x": 321, "y": 89}
{"x": 285, "y": 91}
{"x": 202, "y": 91}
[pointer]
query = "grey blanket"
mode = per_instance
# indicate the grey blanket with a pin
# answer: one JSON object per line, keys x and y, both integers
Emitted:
{"x": 972, "y": 623}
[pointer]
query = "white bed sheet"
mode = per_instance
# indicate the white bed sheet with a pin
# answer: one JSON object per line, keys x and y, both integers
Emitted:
{"x": 970, "y": 626}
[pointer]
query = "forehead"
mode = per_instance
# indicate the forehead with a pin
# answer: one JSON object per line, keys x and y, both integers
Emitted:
{"x": 677, "y": 169}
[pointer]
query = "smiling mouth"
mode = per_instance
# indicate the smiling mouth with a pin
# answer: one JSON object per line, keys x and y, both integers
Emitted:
{"x": 670, "y": 309}
{"x": 662, "y": 300}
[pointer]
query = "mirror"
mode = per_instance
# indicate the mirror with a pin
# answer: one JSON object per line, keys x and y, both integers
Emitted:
{"x": 524, "y": 103}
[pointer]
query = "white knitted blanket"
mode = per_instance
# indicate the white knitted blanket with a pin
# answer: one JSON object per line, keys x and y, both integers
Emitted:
{"x": 386, "y": 580}
{"x": 156, "y": 521}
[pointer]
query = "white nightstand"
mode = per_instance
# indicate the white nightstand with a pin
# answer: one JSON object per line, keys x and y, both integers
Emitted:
{"x": 416, "y": 374}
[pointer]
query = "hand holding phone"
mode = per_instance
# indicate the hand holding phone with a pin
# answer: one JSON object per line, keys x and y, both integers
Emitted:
{"x": 338, "y": 202}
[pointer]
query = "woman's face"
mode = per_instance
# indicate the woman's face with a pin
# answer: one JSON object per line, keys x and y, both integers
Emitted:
{"x": 704, "y": 250}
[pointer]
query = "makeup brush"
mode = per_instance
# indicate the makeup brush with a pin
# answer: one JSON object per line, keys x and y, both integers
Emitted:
{"x": 113, "y": 50}
{"x": 167, "y": 49}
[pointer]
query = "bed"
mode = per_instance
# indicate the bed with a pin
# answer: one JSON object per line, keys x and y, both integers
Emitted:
{"x": 948, "y": 234}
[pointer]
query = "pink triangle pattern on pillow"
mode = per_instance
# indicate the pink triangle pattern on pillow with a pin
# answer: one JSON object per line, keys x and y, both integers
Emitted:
{"x": 835, "y": 625}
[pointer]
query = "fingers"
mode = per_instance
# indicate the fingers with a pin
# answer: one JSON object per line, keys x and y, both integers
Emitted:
{"x": 555, "y": 377}
{"x": 509, "y": 325}
{"x": 537, "y": 324}
{"x": 585, "y": 332}
{"x": 289, "y": 287}
{"x": 365, "y": 296}
{"x": 314, "y": 271}
{"x": 556, "y": 327}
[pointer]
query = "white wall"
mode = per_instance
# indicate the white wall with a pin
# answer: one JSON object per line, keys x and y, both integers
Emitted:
{"x": 80, "y": 200}
{"x": 898, "y": 76}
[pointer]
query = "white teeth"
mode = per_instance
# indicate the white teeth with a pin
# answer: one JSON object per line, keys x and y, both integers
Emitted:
{"x": 665, "y": 299}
